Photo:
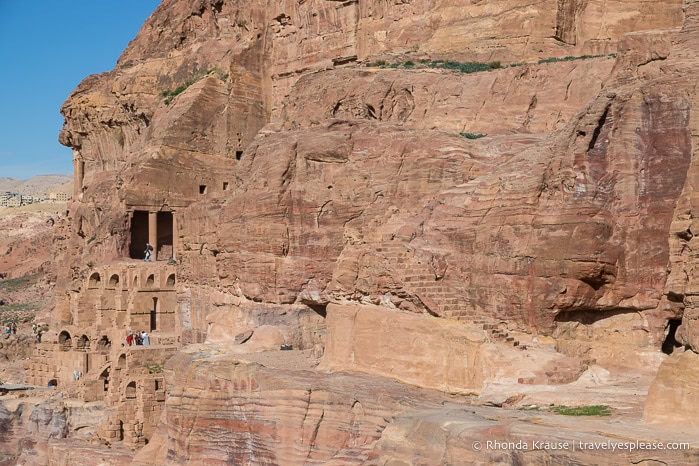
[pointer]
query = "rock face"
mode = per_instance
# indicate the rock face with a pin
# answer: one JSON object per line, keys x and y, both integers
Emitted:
{"x": 475, "y": 436}
{"x": 30, "y": 427}
{"x": 330, "y": 177}
{"x": 420, "y": 350}
{"x": 349, "y": 211}
{"x": 301, "y": 417}
{"x": 673, "y": 393}
{"x": 27, "y": 275}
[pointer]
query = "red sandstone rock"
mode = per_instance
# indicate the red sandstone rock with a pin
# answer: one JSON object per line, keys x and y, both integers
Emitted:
{"x": 289, "y": 183}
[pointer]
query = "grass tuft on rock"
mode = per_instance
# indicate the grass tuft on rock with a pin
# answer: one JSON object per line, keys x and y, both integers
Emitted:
{"x": 19, "y": 283}
{"x": 154, "y": 368}
{"x": 170, "y": 94}
{"x": 593, "y": 410}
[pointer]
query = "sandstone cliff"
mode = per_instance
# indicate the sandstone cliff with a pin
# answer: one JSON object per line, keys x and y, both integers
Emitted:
{"x": 306, "y": 166}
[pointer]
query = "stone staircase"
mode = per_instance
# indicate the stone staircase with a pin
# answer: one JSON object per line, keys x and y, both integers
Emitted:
{"x": 498, "y": 331}
{"x": 443, "y": 297}
{"x": 439, "y": 296}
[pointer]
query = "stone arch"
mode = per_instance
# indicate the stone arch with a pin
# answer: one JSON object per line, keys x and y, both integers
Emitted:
{"x": 83, "y": 342}
{"x": 65, "y": 340}
{"x": 104, "y": 376}
{"x": 53, "y": 383}
{"x": 121, "y": 362}
{"x": 104, "y": 344}
{"x": 130, "y": 391}
{"x": 150, "y": 281}
{"x": 135, "y": 281}
{"x": 94, "y": 281}
{"x": 170, "y": 281}
{"x": 114, "y": 280}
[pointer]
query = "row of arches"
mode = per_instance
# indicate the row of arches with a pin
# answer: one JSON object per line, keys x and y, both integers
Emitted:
{"x": 130, "y": 389}
{"x": 83, "y": 343}
{"x": 95, "y": 281}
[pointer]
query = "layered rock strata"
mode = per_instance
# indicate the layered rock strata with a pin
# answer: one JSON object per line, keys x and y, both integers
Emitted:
{"x": 297, "y": 198}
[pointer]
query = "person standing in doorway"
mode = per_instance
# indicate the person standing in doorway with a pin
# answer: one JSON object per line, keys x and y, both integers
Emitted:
{"x": 148, "y": 252}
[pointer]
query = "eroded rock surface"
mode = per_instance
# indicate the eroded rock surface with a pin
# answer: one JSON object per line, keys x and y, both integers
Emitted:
{"x": 297, "y": 198}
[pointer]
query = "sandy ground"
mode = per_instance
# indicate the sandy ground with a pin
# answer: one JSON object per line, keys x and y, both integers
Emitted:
{"x": 55, "y": 208}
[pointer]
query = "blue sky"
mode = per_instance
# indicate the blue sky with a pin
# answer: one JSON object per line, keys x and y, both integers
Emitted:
{"x": 46, "y": 48}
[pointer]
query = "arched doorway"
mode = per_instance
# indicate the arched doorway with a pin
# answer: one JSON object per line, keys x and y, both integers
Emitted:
{"x": 130, "y": 392}
{"x": 104, "y": 345}
{"x": 83, "y": 343}
{"x": 94, "y": 281}
{"x": 65, "y": 340}
{"x": 104, "y": 376}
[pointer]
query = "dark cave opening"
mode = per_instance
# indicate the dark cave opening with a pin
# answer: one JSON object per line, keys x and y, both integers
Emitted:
{"x": 670, "y": 343}
{"x": 320, "y": 309}
{"x": 139, "y": 234}
{"x": 165, "y": 236}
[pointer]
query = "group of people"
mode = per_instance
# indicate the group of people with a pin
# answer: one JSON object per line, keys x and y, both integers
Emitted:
{"x": 10, "y": 329}
{"x": 36, "y": 330}
{"x": 138, "y": 338}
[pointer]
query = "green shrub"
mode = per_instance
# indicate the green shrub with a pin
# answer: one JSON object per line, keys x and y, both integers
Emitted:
{"x": 171, "y": 94}
{"x": 377, "y": 63}
{"x": 154, "y": 368}
{"x": 466, "y": 67}
{"x": 473, "y": 135}
{"x": 471, "y": 67}
{"x": 581, "y": 57}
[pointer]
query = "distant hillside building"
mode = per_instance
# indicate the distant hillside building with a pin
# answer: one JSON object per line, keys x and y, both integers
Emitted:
{"x": 59, "y": 197}
{"x": 14, "y": 201}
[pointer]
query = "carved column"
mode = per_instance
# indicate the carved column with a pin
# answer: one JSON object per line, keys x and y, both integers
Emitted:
{"x": 79, "y": 174}
{"x": 153, "y": 233}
